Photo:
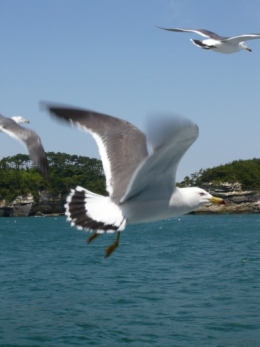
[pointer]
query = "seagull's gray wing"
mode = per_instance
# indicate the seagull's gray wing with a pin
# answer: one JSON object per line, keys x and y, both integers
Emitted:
{"x": 30, "y": 139}
{"x": 155, "y": 176}
{"x": 201, "y": 32}
{"x": 121, "y": 145}
{"x": 240, "y": 38}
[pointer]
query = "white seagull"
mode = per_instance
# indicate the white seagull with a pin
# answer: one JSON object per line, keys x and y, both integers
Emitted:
{"x": 218, "y": 43}
{"x": 141, "y": 186}
{"x": 29, "y": 138}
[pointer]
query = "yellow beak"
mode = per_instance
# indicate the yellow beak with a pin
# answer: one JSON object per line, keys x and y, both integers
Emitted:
{"x": 216, "y": 200}
{"x": 248, "y": 49}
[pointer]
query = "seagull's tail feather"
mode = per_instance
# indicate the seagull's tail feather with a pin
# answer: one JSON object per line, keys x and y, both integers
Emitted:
{"x": 87, "y": 210}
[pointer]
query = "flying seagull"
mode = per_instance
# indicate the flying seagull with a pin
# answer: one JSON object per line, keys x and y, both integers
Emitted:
{"x": 141, "y": 186}
{"x": 218, "y": 43}
{"x": 29, "y": 138}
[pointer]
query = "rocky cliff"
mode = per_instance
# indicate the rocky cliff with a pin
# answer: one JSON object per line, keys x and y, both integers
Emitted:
{"x": 27, "y": 205}
{"x": 238, "y": 201}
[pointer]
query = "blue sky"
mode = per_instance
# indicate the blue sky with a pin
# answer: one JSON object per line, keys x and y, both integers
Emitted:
{"x": 110, "y": 57}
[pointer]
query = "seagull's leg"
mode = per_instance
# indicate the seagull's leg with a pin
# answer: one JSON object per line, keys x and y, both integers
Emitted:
{"x": 92, "y": 237}
{"x": 111, "y": 248}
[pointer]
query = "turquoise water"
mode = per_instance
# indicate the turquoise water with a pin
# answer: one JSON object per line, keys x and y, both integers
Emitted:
{"x": 192, "y": 281}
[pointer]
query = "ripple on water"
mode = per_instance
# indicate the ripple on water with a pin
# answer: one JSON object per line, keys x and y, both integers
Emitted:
{"x": 193, "y": 282}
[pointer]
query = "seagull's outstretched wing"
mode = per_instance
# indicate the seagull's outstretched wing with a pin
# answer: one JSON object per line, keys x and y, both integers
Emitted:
{"x": 121, "y": 145}
{"x": 237, "y": 39}
{"x": 201, "y": 32}
{"x": 30, "y": 139}
{"x": 155, "y": 177}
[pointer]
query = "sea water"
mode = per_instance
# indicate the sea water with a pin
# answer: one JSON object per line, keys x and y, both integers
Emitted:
{"x": 190, "y": 281}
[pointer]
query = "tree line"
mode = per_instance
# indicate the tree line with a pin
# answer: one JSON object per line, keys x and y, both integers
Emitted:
{"x": 246, "y": 172}
{"x": 19, "y": 175}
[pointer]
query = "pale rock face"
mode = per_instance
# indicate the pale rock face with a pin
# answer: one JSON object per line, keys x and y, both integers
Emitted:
{"x": 238, "y": 201}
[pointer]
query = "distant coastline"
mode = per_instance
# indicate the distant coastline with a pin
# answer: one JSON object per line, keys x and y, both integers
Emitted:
{"x": 47, "y": 204}
{"x": 24, "y": 192}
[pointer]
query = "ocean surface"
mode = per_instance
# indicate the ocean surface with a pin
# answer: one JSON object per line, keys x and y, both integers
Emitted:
{"x": 190, "y": 281}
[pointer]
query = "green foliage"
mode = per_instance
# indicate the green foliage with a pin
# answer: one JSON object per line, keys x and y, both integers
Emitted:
{"x": 16, "y": 182}
{"x": 246, "y": 172}
{"x": 68, "y": 171}
{"x": 19, "y": 176}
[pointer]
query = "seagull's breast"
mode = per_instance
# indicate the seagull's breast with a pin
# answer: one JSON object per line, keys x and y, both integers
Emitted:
{"x": 211, "y": 42}
{"x": 147, "y": 211}
{"x": 225, "y": 47}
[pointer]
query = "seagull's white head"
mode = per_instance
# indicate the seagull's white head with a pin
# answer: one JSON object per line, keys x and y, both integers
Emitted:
{"x": 242, "y": 45}
{"x": 205, "y": 197}
{"x": 190, "y": 198}
{"x": 202, "y": 197}
{"x": 19, "y": 119}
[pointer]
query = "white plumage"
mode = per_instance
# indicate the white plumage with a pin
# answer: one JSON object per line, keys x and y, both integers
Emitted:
{"x": 218, "y": 43}
{"x": 141, "y": 186}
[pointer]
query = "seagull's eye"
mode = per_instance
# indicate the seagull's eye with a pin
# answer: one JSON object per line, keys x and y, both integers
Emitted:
{"x": 202, "y": 194}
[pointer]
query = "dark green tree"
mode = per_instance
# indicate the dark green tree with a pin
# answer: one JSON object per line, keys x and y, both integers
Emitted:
{"x": 246, "y": 172}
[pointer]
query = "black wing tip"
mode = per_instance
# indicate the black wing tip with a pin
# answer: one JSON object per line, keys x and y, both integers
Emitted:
{"x": 167, "y": 29}
{"x": 160, "y": 27}
{"x": 65, "y": 113}
{"x": 177, "y": 29}
{"x": 52, "y": 106}
{"x": 59, "y": 109}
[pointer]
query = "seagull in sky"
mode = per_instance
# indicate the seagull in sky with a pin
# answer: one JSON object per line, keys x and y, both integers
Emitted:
{"x": 29, "y": 138}
{"x": 218, "y": 43}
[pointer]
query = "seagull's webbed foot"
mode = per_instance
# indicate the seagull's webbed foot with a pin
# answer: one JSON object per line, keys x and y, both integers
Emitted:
{"x": 92, "y": 237}
{"x": 112, "y": 247}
